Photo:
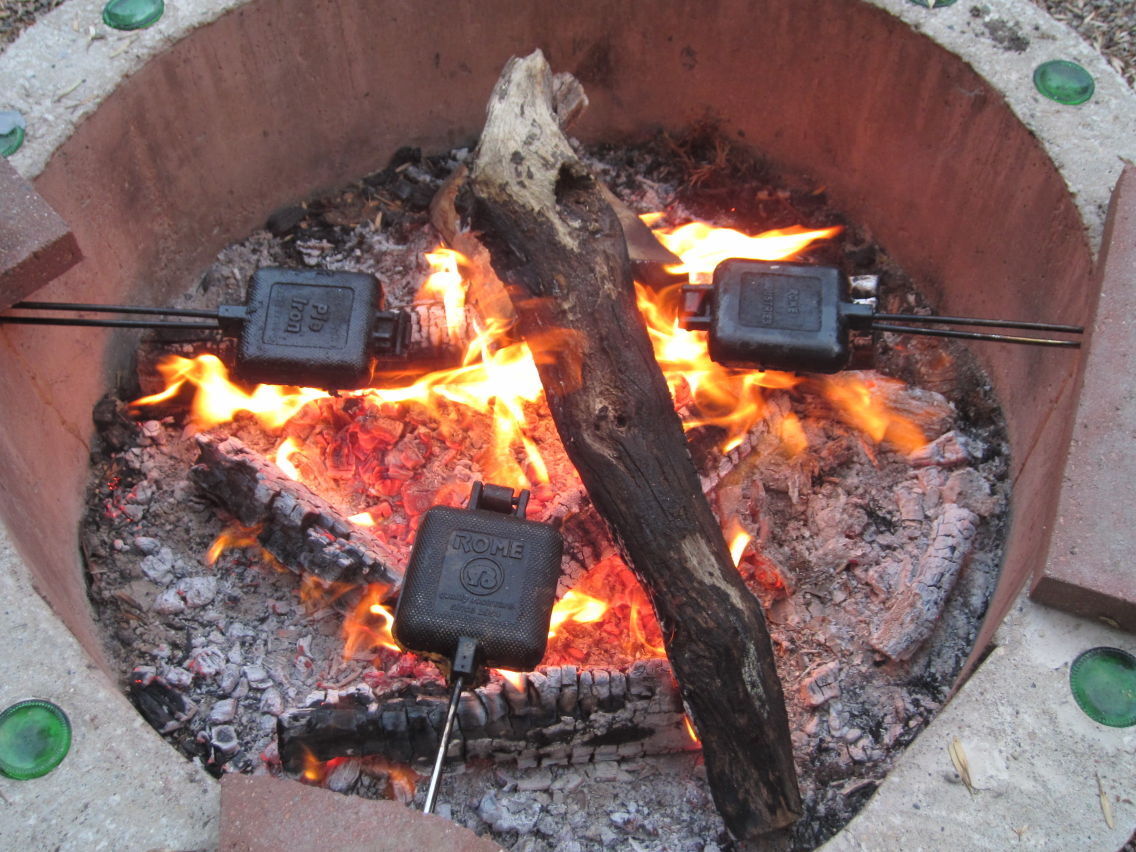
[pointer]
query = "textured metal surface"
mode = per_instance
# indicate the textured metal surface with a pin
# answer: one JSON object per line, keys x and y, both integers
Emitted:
{"x": 484, "y": 575}
{"x": 309, "y": 327}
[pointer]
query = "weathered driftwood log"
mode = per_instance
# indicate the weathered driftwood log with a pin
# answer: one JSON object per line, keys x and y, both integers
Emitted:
{"x": 298, "y": 527}
{"x": 560, "y": 715}
{"x": 559, "y": 248}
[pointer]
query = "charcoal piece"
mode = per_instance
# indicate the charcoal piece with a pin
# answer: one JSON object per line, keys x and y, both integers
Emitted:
{"x": 115, "y": 428}
{"x": 164, "y": 707}
{"x": 298, "y": 527}
{"x": 285, "y": 219}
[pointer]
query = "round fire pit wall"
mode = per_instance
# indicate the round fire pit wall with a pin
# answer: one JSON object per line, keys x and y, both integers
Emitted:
{"x": 275, "y": 100}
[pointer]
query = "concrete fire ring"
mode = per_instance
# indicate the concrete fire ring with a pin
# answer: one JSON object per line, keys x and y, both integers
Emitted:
{"x": 1038, "y": 765}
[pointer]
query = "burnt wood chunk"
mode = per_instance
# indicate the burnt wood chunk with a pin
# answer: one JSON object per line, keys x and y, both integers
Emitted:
{"x": 558, "y": 247}
{"x": 558, "y": 715}
{"x": 298, "y": 527}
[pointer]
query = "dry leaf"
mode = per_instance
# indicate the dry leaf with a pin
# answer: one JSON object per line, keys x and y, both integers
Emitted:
{"x": 958, "y": 758}
{"x": 1105, "y": 804}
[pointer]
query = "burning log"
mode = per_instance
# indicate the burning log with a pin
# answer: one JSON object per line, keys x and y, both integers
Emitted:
{"x": 555, "y": 716}
{"x": 298, "y": 527}
{"x": 559, "y": 248}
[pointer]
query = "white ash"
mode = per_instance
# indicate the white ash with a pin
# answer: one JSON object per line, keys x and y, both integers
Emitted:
{"x": 845, "y": 530}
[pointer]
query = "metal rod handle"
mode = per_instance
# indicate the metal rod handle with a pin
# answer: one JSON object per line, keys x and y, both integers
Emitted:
{"x": 74, "y": 307}
{"x": 108, "y": 323}
{"x": 436, "y": 775}
{"x": 1026, "y": 326}
{"x": 974, "y": 335}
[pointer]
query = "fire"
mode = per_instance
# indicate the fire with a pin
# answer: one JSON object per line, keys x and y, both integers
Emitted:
{"x": 863, "y": 405}
{"x": 690, "y": 730}
{"x": 445, "y": 282}
{"x": 498, "y": 378}
{"x": 739, "y": 541}
{"x": 702, "y": 247}
{"x": 369, "y": 624}
{"x": 514, "y": 679}
{"x": 218, "y": 400}
{"x": 284, "y": 455}
{"x": 581, "y": 608}
{"x": 238, "y": 536}
{"x": 401, "y": 779}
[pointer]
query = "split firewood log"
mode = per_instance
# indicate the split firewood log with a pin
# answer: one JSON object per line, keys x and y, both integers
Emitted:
{"x": 558, "y": 247}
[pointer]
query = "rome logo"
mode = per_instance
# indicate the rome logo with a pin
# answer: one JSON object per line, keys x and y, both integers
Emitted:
{"x": 482, "y": 576}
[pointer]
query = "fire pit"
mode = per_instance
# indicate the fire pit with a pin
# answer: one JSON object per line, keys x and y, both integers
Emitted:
{"x": 981, "y": 249}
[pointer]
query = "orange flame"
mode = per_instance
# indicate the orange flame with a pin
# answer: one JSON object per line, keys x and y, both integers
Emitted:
{"x": 702, "y": 247}
{"x": 516, "y": 680}
{"x": 690, "y": 730}
{"x": 369, "y": 624}
{"x": 578, "y": 607}
{"x": 283, "y": 459}
{"x": 445, "y": 283}
{"x": 218, "y": 399}
{"x": 861, "y": 402}
{"x": 739, "y": 541}
{"x": 238, "y": 536}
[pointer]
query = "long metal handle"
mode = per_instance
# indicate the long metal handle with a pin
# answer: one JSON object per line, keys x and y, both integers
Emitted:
{"x": 973, "y": 335}
{"x": 992, "y": 323}
{"x": 436, "y": 775}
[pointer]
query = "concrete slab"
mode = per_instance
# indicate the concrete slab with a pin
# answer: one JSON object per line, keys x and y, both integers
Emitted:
{"x": 35, "y": 243}
{"x": 1090, "y": 570}
{"x": 1034, "y": 757}
{"x": 264, "y": 814}
{"x": 121, "y": 786}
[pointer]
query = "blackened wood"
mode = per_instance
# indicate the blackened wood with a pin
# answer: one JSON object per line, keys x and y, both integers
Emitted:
{"x": 559, "y": 248}
{"x": 559, "y": 715}
{"x": 302, "y": 530}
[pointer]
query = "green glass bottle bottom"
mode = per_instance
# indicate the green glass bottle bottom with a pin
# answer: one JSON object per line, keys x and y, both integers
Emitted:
{"x": 132, "y": 14}
{"x": 1064, "y": 81}
{"x": 12, "y": 127}
{"x": 35, "y": 736}
{"x": 1103, "y": 681}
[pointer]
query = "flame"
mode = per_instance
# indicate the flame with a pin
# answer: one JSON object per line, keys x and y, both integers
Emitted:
{"x": 235, "y": 537}
{"x": 578, "y": 607}
{"x": 739, "y": 541}
{"x": 514, "y": 679}
{"x": 363, "y": 519}
{"x": 639, "y": 642}
{"x": 369, "y": 624}
{"x": 862, "y": 403}
{"x": 283, "y": 459}
{"x": 218, "y": 399}
{"x": 690, "y": 729}
{"x": 445, "y": 282}
{"x": 702, "y": 247}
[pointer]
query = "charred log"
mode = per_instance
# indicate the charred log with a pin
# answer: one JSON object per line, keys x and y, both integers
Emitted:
{"x": 559, "y": 248}
{"x": 560, "y": 715}
{"x": 298, "y": 527}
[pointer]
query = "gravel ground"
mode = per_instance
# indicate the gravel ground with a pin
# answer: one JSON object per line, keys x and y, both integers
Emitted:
{"x": 1108, "y": 25}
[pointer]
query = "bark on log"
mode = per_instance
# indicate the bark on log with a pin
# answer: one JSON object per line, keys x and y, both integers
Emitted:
{"x": 559, "y": 248}
{"x": 301, "y": 529}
